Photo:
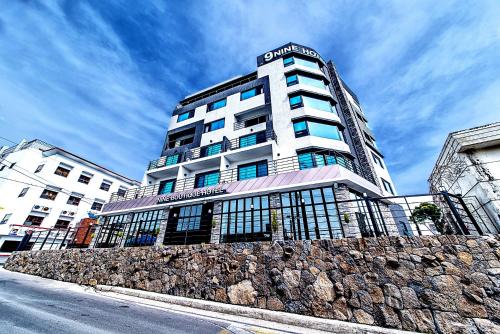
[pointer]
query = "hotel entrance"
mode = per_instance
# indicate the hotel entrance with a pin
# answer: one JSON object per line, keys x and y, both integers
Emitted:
{"x": 190, "y": 224}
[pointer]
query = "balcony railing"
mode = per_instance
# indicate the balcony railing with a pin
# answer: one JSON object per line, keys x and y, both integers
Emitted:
{"x": 251, "y": 139}
{"x": 274, "y": 167}
{"x": 201, "y": 152}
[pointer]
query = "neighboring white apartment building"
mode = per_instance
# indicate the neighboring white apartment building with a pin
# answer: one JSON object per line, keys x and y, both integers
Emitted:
{"x": 46, "y": 186}
{"x": 281, "y": 146}
{"x": 469, "y": 165}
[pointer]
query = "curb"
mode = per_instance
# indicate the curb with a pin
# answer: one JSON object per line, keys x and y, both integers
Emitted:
{"x": 292, "y": 319}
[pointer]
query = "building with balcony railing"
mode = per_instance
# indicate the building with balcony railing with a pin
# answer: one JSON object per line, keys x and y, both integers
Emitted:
{"x": 268, "y": 155}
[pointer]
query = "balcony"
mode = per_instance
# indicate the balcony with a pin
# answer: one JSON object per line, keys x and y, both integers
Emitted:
{"x": 274, "y": 167}
{"x": 212, "y": 150}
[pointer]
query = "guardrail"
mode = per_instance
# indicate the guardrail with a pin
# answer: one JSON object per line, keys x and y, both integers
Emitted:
{"x": 274, "y": 167}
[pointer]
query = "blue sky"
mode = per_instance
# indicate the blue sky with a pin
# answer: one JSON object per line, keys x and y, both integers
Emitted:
{"x": 101, "y": 78}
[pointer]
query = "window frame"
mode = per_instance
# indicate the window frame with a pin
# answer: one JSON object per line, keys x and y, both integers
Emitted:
{"x": 307, "y": 131}
{"x": 386, "y": 184}
{"x": 5, "y": 218}
{"x": 207, "y": 127}
{"x": 84, "y": 176}
{"x": 377, "y": 160}
{"x": 38, "y": 223}
{"x": 190, "y": 114}
{"x": 211, "y": 105}
{"x": 64, "y": 227}
{"x": 204, "y": 176}
{"x": 163, "y": 183}
{"x": 61, "y": 171}
{"x": 39, "y": 168}
{"x": 48, "y": 195}
{"x": 92, "y": 207}
{"x": 23, "y": 192}
{"x": 74, "y": 200}
{"x": 107, "y": 183}
{"x": 257, "y": 165}
{"x": 258, "y": 90}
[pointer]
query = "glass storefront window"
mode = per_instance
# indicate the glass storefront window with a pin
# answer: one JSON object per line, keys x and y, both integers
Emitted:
{"x": 246, "y": 219}
{"x": 310, "y": 214}
{"x": 189, "y": 218}
{"x": 111, "y": 231}
{"x": 144, "y": 228}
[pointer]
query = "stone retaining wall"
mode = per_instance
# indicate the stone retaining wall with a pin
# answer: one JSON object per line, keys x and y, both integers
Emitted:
{"x": 431, "y": 284}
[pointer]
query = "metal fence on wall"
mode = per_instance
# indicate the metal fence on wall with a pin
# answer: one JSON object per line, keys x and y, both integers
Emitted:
{"x": 357, "y": 216}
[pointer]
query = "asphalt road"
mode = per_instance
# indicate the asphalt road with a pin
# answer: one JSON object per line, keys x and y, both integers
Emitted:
{"x": 29, "y": 304}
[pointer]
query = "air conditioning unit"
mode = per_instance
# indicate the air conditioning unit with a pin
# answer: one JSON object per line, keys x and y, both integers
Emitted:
{"x": 40, "y": 208}
{"x": 71, "y": 213}
{"x": 64, "y": 212}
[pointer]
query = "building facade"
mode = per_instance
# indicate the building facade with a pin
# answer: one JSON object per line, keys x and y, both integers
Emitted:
{"x": 469, "y": 165}
{"x": 47, "y": 187}
{"x": 270, "y": 155}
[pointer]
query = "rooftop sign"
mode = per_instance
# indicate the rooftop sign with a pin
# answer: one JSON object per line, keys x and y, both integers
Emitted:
{"x": 284, "y": 50}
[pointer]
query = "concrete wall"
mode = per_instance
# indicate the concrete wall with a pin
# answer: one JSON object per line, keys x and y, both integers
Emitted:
{"x": 444, "y": 284}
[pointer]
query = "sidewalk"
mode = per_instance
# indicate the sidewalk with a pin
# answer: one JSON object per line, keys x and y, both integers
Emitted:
{"x": 280, "y": 321}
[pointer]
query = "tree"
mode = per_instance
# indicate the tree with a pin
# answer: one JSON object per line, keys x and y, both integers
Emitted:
{"x": 429, "y": 211}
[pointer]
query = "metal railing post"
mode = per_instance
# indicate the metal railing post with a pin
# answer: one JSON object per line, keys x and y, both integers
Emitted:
{"x": 469, "y": 214}
{"x": 45, "y": 240}
{"x": 372, "y": 217}
{"x": 455, "y": 213}
{"x": 64, "y": 239}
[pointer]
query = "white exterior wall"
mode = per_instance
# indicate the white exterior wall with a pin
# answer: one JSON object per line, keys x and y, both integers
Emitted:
{"x": 286, "y": 144}
{"x": 27, "y": 161}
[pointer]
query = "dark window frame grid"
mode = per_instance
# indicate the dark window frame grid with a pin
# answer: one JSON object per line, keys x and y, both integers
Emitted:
{"x": 242, "y": 212}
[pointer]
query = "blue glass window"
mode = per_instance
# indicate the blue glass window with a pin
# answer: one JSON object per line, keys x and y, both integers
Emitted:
{"x": 167, "y": 187}
{"x": 211, "y": 150}
{"x": 185, "y": 115}
{"x": 312, "y": 128}
{"x": 172, "y": 160}
{"x": 300, "y": 128}
{"x": 312, "y": 82}
{"x": 189, "y": 218}
{"x": 217, "y": 104}
{"x": 305, "y": 80}
{"x": 312, "y": 159}
{"x": 215, "y": 125}
{"x": 324, "y": 130}
{"x": 206, "y": 179}
{"x": 248, "y": 140}
{"x": 253, "y": 170}
{"x": 248, "y": 94}
{"x": 307, "y": 63}
{"x": 288, "y": 61}
{"x": 292, "y": 80}
{"x": 300, "y": 61}
{"x": 318, "y": 104}
{"x": 296, "y": 101}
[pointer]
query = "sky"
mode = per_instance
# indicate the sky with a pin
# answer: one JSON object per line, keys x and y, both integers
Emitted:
{"x": 101, "y": 78}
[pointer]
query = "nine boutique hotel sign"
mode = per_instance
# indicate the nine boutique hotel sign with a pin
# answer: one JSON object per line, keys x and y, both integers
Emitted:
{"x": 197, "y": 193}
{"x": 286, "y": 49}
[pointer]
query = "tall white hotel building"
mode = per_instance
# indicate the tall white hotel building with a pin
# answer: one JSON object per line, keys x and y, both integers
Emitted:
{"x": 270, "y": 155}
